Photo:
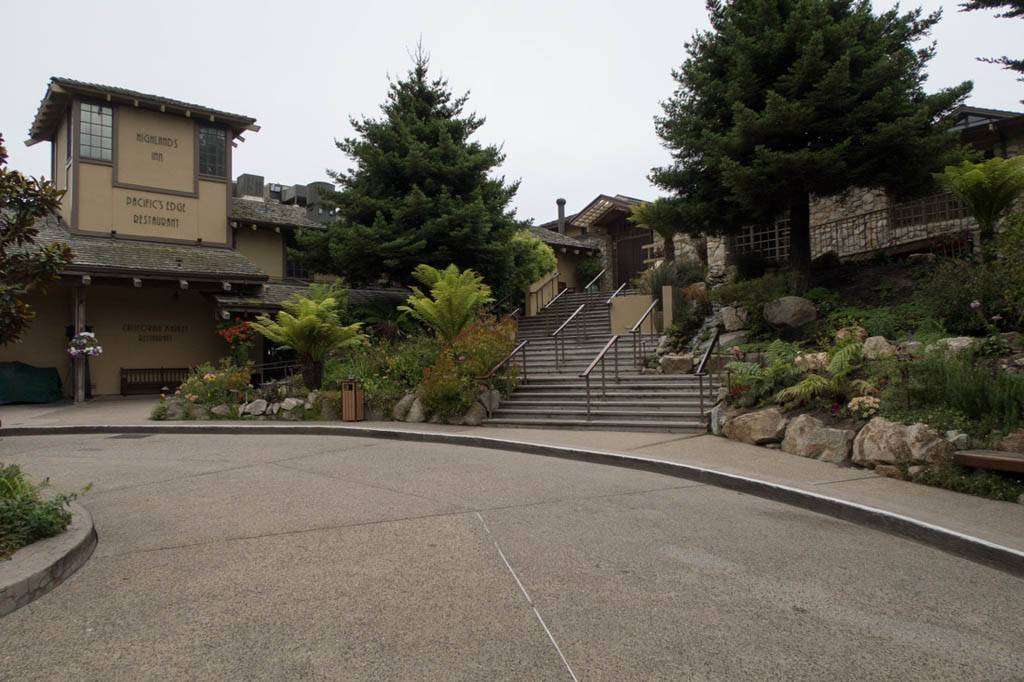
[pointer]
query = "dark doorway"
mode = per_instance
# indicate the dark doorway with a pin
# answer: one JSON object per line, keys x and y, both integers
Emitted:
{"x": 629, "y": 258}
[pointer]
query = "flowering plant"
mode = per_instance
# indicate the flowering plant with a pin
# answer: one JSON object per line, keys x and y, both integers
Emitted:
{"x": 240, "y": 337}
{"x": 863, "y": 407}
{"x": 84, "y": 343}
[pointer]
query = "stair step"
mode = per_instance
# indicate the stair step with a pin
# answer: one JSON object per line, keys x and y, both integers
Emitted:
{"x": 666, "y": 425}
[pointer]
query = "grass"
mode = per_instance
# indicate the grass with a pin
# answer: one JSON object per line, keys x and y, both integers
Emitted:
{"x": 27, "y": 511}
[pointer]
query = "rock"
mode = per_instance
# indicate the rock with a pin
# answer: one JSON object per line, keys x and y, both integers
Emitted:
{"x": 911, "y": 349}
{"x": 888, "y": 471}
{"x": 790, "y": 311}
{"x": 402, "y": 407}
{"x": 727, "y": 341}
{"x": 675, "y": 364}
{"x": 175, "y": 410}
{"x": 757, "y": 428}
{"x": 921, "y": 258}
{"x": 475, "y": 415}
{"x": 221, "y": 411}
{"x": 734, "y": 319}
{"x": 809, "y": 437}
{"x": 289, "y": 415}
{"x": 495, "y": 401}
{"x": 289, "y": 404}
{"x": 915, "y": 472}
{"x": 417, "y": 412}
{"x": 857, "y": 331}
{"x": 373, "y": 414}
{"x": 649, "y": 370}
{"x": 1013, "y": 443}
{"x": 1013, "y": 339}
{"x": 664, "y": 345}
{"x": 876, "y": 347}
{"x": 273, "y": 408}
{"x": 958, "y": 440}
{"x": 330, "y": 409}
{"x": 200, "y": 413}
{"x": 256, "y": 407}
{"x": 885, "y": 442}
{"x": 955, "y": 345}
{"x": 1020, "y": 499}
{"x": 772, "y": 446}
{"x": 812, "y": 361}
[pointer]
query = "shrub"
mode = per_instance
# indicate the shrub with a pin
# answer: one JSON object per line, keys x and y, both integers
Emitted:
{"x": 454, "y": 302}
{"x": 387, "y": 369}
{"x": 751, "y": 383}
{"x": 836, "y": 381}
{"x": 26, "y": 515}
{"x": 210, "y": 387}
{"x": 753, "y": 295}
{"x": 892, "y": 322}
{"x": 988, "y": 400}
{"x": 587, "y": 269}
{"x": 945, "y": 473}
{"x": 948, "y": 291}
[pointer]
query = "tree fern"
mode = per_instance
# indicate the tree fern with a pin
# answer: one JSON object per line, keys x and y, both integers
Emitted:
{"x": 454, "y": 302}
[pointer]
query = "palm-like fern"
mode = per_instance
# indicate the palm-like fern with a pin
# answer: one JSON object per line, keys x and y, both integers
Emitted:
{"x": 313, "y": 330}
{"x": 779, "y": 371}
{"x": 454, "y": 302}
{"x": 843, "y": 360}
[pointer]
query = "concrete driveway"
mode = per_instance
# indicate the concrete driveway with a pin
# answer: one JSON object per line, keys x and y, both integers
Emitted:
{"x": 328, "y": 558}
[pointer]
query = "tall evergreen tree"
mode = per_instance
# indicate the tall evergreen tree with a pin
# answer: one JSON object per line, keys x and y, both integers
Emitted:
{"x": 420, "y": 192}
{"x": 785, "y": 99}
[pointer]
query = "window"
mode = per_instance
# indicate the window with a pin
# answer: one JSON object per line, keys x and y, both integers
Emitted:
{"x": 294, "y": 268}
{"x": 96, "y": 134}
{"x": 213, "y": 151}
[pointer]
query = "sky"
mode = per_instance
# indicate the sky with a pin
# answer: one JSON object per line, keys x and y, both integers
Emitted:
{"x": 569, "y": 89}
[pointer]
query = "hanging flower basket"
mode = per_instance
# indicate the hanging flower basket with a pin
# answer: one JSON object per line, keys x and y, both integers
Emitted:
{"x": 84, "y": 343}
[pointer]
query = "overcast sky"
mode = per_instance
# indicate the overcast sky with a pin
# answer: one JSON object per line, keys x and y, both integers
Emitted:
{"x": 569, "y": 89}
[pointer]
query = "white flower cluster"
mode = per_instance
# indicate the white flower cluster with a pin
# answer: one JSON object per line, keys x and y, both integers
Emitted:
{"x": 84, "y": 343}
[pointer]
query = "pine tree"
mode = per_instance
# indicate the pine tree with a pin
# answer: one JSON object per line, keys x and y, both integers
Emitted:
{"x": 420, "y": 192}
{"x": 785, "y": 99}
{"x": 1012, "y": 9}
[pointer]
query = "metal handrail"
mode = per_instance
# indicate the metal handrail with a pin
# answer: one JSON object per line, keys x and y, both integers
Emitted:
{"x": 596, "y": 277}
{"x": 515, "y": 312}
{"x": 702, "y": 367}
{"x": 560, "y": 340}
{"x": 508, "y": 365}
{"x": 551, "y": 280}
{"x": 621, "y": 287}
{"x": 585, "y": 374}
{"x": 548, "y": 304}
{"x": 638, "y": 342}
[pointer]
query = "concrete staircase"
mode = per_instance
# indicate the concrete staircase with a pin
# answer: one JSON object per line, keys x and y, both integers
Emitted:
{"x": 554, "y": 395}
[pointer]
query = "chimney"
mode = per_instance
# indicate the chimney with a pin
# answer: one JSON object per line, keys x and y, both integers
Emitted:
{"x": 561, "y": 215}
{"x": 249, "y": 185}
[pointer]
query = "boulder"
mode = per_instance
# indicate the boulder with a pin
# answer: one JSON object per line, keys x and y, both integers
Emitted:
{"x": 175, "y": 410}
{"x": 757, "y": 428}
{"x": 256, "y": 407}
{"x": 958, "y": 440}
{"x": 200, "y": 413}
{"x": 790, "y": 311}
{"x": 475, "y": 415}
{"x": 1013, "y": 443}
{"x": 675, "y": 364}
{"x": 417, "y": 412}
{"x": 373, "y": 414}
{"x": 876, "y": 347}
{"x": 734, "y": 319}
{"x": 402, "y": 407}
{"x": 957, "y": 344}
{"x": 730, "y": 339}
{"x": 859, "y": 332}
{"x": 889, "y": 471}
{"x": 1013, "y": 339}
{"x": 915, "y": 472}
{"x": 812, "y": 361}
{"x": 884, "y": 442}
{"x": 273, "y": 408}
{"x": 664, "y": 345}
{"x": 809, "y": 437}
{"x": 910, "y": 349}
{"x": 289, "y": 416}
{"x": 921, "y": 258}
{"x": 289, "y": 404}
{"x": 221, "y": 411}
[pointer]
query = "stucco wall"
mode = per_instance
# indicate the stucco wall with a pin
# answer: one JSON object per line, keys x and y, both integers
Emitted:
{"x": 626, "y": 310}
{"x": 44, "y": 343}
{"x": 262, "y": 247}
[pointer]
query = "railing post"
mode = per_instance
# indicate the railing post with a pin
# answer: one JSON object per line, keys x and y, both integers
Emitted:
{"x": 616, "y": 362}
{"x": 700, "y": 379}
{"x": 604, "y": 382}
{"x": 587, "y": 380}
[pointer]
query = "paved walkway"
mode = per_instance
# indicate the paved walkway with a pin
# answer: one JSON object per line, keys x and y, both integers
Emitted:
{"x": 1001, "y": 523}
{"x": 287, "y": 557}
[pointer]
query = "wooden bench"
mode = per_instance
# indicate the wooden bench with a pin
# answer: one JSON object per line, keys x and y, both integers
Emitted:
{"x": 991, "y": 459}
{"x": 151, "y": 380}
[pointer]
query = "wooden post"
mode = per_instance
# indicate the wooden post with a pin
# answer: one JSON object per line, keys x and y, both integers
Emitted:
{"x": 79, "y": 360}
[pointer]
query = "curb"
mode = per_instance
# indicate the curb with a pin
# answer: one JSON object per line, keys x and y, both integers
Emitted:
{"x": 38, "y": 568}
{"x": 959, "y": 544}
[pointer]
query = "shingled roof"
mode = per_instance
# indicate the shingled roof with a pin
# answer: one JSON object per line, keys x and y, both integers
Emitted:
{"x": 60, "y": 90}
{"x": 270, "y": 213}
{"x": 132, "y": 257}
{"x": 555, "y": 238}
{"x": 276, "y": 293}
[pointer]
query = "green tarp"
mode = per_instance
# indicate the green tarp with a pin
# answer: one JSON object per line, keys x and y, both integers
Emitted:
{"x": 21, "y": 383}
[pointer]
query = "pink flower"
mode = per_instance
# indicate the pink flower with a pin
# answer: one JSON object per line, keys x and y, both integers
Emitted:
{"x": 996, "y": 318}
{"x": 975, "y": 304}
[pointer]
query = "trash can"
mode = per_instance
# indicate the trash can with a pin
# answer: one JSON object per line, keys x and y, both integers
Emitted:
{"x": 351, "y": 401}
